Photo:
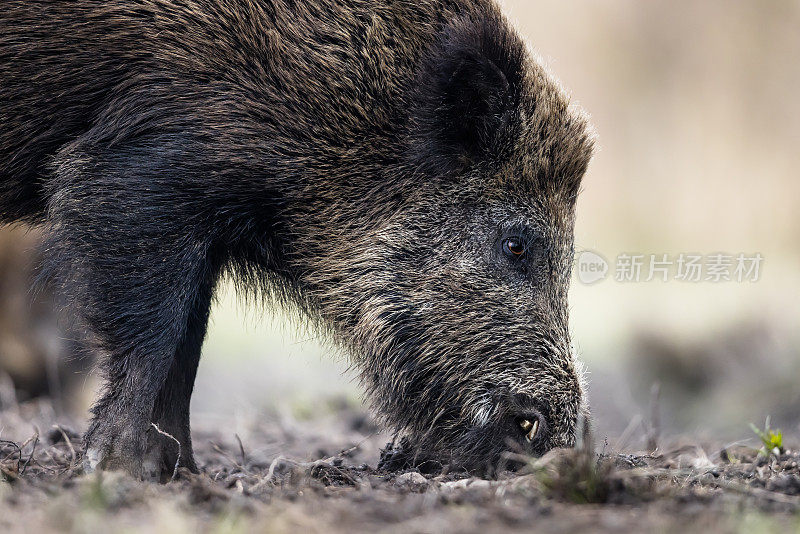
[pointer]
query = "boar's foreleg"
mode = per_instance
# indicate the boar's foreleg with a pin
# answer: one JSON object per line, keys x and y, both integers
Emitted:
{"x": 133, "y": 247}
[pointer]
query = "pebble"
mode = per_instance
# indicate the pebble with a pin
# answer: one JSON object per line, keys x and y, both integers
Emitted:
{"x": 467, "y": 483}
{"x": 413, "y": 478}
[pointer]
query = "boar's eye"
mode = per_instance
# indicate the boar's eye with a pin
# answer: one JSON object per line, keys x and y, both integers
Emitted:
{"x": 514, "y": 247}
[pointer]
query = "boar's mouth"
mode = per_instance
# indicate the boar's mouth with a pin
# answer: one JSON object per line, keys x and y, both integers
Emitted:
{"x": 483, "y": 451}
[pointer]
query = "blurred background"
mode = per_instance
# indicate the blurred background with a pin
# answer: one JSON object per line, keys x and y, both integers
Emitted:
{"x": 696, "y": 109}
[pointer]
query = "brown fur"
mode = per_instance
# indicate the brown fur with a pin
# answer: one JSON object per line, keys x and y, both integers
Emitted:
{"x": 363, "y": 162}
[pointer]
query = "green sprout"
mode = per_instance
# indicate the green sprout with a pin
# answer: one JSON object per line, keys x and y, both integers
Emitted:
{"x": 772, "y": 439}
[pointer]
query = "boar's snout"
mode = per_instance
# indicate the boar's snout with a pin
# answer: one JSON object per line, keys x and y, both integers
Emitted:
{"x": 523, "y": 427}
{"x": 526, "y": 427}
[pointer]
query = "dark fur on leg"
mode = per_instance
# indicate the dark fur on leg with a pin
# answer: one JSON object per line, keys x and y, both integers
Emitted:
{"x": 142, "y": 280}
{"x": 171, "y": 410}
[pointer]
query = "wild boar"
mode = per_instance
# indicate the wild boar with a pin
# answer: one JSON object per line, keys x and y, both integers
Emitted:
{"x": 403, "y": 173}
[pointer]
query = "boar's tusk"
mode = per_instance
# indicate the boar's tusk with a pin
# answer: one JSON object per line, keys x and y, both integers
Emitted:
{"x": 530, "y": 429}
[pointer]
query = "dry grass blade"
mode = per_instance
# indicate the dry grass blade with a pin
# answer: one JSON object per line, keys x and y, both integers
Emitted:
{"x": 73, "y": 455}
{"x": 173, "y": 438}
{"x": 270, "y": 475}
{"x": 239, "y": 466}
{"x": 35, "y": 440}
{"x": 241, "y": 450}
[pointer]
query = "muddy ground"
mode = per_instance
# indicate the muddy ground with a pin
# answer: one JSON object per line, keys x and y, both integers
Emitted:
{"x": 317, "y": 473}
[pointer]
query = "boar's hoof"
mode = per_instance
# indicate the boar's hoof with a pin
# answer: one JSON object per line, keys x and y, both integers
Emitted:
{"x": 112, "y": 457}
{"x": 151, "y": 455}
{"x": 142, "y": 454}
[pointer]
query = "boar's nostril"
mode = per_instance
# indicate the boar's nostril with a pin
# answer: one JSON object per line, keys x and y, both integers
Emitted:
{"x": 530, "y": 428}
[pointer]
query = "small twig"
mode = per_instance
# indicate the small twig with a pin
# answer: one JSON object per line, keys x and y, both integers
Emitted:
{"x": 272, "y": 467}
{"x": 230, "y": 458}
{"x": 42, "y": 466}
{"x": 308, "y": 466}
{"x": 28, "y": 441}
{"x": 49, "y": 457}
{"x": 241, "y": 449}
{"x": 270, "y": 475}
{"x": 354, "y": 447}
{"x": 173, "y": 438}
{"x": 73, "y": 456}
{"x": 33, "y": 450}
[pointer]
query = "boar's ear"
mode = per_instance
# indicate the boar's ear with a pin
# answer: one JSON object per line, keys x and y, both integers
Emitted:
{"x": 466, "y": 96}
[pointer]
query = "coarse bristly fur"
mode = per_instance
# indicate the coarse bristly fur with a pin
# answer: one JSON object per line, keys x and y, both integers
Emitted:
{"x": 403, "y": 173}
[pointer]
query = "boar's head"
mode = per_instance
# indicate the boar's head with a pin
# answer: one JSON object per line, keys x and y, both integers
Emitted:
{"x": 454, "y": 302}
